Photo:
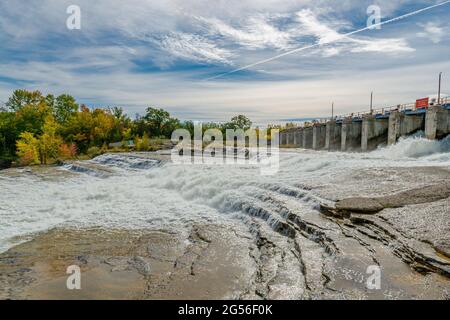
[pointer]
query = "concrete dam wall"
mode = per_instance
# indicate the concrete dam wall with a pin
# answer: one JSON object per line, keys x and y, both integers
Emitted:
{"x": 369, "y": 131}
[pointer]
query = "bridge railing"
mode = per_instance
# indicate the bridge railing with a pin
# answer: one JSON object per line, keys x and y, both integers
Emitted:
{"x": 379, "y": 111}
{"x": 387, "y": 110}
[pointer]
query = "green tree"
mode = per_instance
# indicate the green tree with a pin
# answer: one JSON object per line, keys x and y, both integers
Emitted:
{"x": 64, "y": 108}
{"x": 157, "y": 119}
{"x": 239, "y": 122}
{"x": 118, "y": 113}
{"x": 8, "y": 136}
{"x": 122, "y": 125}
{"x": 77, "y": 129}
{"x": 20, "y": 98}
{"x": 31, "y": 117}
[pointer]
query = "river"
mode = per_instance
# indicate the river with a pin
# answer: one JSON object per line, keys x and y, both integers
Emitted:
{"x": 136, "y": 191}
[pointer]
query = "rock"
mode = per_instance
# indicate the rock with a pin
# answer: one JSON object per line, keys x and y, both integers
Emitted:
{"x": 443, "y": 248}
{"x": 141, "y": 265}
{"x": 332, "y": 212}
{"x": 426, "y": 194}
{"x": 360, "y": 205}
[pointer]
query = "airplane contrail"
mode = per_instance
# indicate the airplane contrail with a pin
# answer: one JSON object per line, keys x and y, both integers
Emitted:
{"x": 319, "y": 43}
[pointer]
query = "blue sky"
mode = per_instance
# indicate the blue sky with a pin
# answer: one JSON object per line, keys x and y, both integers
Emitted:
{"x": 140, "y": 53}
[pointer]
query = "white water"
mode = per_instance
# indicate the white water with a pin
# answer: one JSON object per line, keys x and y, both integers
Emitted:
{"x": 142, "y": 194}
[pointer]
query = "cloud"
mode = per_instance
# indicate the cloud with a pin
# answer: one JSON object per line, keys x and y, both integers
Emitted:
{"x": 194, "y": 48}
{"x": 137, "y": 53}
{"x": 432, "y": 31}
{"x": 255, "y": 33}
{"x": 328, "y": 36}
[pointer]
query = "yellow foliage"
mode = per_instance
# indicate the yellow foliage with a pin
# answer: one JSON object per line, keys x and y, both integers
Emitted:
{"x": 142, "y": 144}
{"x": 28, "y": 149}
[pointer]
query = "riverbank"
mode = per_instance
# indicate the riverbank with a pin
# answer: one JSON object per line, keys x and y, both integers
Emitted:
{"x": 154, "y": 145}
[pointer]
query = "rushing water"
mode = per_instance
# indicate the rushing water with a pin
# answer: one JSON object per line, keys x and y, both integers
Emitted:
{"x": 132, "y": 191}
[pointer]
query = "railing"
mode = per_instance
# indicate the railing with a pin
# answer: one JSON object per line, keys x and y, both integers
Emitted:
{"x": 387, "y": 110}
{"x": 380, "y": 111}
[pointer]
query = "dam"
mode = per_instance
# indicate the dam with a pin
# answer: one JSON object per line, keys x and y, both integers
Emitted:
{"x": 366, "y": 131}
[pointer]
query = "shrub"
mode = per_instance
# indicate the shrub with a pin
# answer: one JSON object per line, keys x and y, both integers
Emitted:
{"x": 143, "y": 144}
{"x": 67, "y": 151}
{"x": 94, "y": 152}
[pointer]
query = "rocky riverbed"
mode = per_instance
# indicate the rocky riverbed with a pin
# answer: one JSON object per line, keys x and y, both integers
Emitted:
{"x": 140, "y": 228}
{"x": 308, "y": 257}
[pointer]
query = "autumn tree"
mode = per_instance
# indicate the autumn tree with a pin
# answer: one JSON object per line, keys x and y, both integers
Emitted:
{"x": 28, "y": 149}
{"x": 49, "y": 141}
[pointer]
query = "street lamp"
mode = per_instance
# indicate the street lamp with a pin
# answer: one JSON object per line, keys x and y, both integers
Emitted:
{"x": 439, "y": 90}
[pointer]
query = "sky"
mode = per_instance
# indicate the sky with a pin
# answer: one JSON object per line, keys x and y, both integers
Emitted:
{"x": 181, "y": 55}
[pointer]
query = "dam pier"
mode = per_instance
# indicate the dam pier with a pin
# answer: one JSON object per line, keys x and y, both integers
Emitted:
{"x": 366, "y": 131}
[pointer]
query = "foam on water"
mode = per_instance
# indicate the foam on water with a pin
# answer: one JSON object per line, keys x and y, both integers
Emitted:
{"x": 416, "y": 146}
{"x": 141, "y": 193}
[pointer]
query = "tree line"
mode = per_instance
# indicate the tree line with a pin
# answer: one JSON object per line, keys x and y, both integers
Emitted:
{"x": 41, "y": 129}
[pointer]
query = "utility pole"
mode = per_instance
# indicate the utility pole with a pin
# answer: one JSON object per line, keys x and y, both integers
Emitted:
{"x": 332, "y": 111}
{"x": 439, "y": 90}
{"x": 371, "y": 102}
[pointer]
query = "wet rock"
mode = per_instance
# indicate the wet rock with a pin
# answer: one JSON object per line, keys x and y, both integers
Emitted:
{"x": 141, "y": 265}
{"x": 359, "y": 205}
{"x": 332, "y": 212}
{"x": 371, "y": 205}
{"x": 426, "y": 194}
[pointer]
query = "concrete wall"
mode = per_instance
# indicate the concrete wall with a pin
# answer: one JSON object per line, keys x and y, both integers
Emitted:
{"x": 437, "y": 122}
{"x": 319, "y": 135}
{"x": 374, "y": 132}
{"x": 283, "y": 138}
{"x": 299, "y": 138}
{"x": 351, "y": 135}
{"x": 291, "y": 138}
{"x": 401, "y": 124}
{"x": 333, "y": 136}
{"x": 308, "y": 138}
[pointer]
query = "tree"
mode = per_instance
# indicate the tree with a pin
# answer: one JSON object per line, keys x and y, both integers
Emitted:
{"x": 118, "y": 113}
{"x": 28, "y": 149}
{"x": 20, "y": 98}
{"x": 8, "y": 136}
{"x": 157, "y": 118}
{"x": 50, "y": 101}
{"x": 239, "y": 122}
{"x": 49, "y": 142}
{"x": 103, "y": 125}
{"x": 122, "y": 125}
{"x": 170, "y": 126}
{"x": 31, "y": 117}
{"x": 67, "y": 151}
{"x": 64, "y": 107}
